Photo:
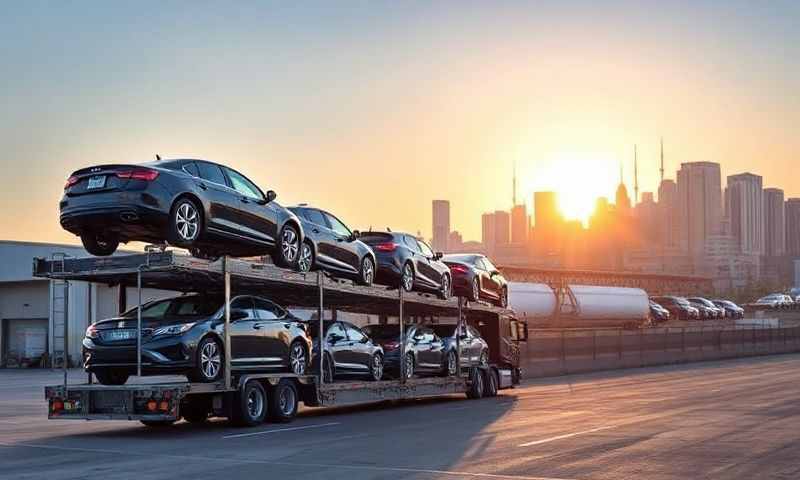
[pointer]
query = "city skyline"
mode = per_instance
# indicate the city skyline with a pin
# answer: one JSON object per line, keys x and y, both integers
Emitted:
{"x": 315, "y": 100}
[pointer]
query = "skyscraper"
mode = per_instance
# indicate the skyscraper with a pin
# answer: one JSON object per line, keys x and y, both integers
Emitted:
{"x": 699, "y": 205}
{"x": 441, "y": 225}
{"x": 745, "y": 212}
{"x": 668, "y": 212}
{"x": 519, "y": 225}
{"x": 502, "y": 228}
{"x": 792, "y": 209}
{"x": 774, "y": 223}
{"x": 488, "y": 233}
{"x": 545, "y": 209}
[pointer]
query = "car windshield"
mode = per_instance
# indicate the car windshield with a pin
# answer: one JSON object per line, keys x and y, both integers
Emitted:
{"x": 382, "y": 332}
{"x": 179, "y": 307}
{"x": 464, "y": 258}
{"x": 376, "y": 237}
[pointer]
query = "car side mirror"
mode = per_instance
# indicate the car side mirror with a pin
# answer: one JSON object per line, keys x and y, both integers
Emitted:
{"x": 271, "y": 195}
{"x": 495, "y": 273}
{"x": 438, "y": 255}
{"x": 355, "y": 235}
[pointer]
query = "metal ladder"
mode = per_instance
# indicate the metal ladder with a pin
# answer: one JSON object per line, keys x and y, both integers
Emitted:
{"x": 59, "y": 308}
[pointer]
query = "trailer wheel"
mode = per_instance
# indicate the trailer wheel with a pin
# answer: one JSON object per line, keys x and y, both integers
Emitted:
{"x": 250, "y": 405}
{"x": 283, "y": 401}
{"x": 157, "y": 423}
{"x": 111, "y": 377}
{"x": 490, "y": 386}
{"x": 476, "y": 384}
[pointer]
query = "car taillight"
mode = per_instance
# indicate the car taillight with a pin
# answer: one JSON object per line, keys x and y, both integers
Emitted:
{"x": 458, "y": 269}
{"x": 386, "y": 247}
{"x": 146, "y": 174}
{"x": 71, "y": 181}
{"x": 91, "y": 332}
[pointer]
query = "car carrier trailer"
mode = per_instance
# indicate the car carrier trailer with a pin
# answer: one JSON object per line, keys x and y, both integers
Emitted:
{"x": 249, "y": 398}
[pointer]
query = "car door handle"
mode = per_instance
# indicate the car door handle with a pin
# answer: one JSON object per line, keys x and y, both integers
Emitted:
{"x": 244, "y": 200}
{"x": 287, "y": 325}
{"x": 315, "y": 230}
{"x": 203, "y": 186}
{"x": 257, "y": 326}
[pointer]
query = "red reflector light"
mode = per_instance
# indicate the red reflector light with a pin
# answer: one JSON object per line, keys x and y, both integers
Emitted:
{"x": 386, "y": 247}
{"x": 152, "y": 405}
{"x": 146, "y": 174}
{"x": 459, "y": 269}
{"x": 163, "y": 405}
{"x": 71, "y": 181}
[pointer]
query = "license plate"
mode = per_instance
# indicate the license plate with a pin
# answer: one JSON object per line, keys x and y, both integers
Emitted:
{"x": 119, "y": 335}
{"x": 98, "y": 181}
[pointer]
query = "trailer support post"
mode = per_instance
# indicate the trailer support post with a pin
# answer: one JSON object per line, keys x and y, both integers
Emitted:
{"x": 227, "y": 353}
{"x": 458, "y": 335}
{"x": 321, "y": 333}
{"x": 402, "y": 337}
{"x": 139, "y": 322}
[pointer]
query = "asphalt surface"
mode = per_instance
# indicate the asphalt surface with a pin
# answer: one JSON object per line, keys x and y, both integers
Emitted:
{"x": 727, "y": 419}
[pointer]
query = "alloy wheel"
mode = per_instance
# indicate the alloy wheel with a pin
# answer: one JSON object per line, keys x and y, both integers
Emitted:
{"x": 452, "y": 363}
{"x": 367, "y": 271}
{"x": 484, "y": 361}
{"x": 306, "y": 259}
{"x": 476, "y": 290}
{"x": 289, "y": 244}
{"x": 210, "y": 360}
{"x": 297, "y": 359}
{"x": 408, "y": 277}
{"x": 446, "y": 287}
{"x": 187, "y": 222}
{"x": 409, "y": 366}
{"x": 377, "y": 367}
{"x": 504, "y": 298}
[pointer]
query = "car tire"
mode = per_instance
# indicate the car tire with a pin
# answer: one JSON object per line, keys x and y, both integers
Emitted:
{"x": 298, "y": 358}
{"x": 157, "y": 423}
{"x": 490, "y": 385}
{"x": 250, "y": 405}
{"x": 376, "y": 368}
{"x": 209, "y": 361}
{"x": 99, "y": 244}
{"x": 409, "y": 366}
{"x": 283, "y": 401}
{"x": 407, "y": 277}
{"x": 366, "y": 274}
{"x": 185, "y": 223}
{"x": 476, "y": 384}
{"x": 111, "y": 377}
{"x": 475, "y": 290}
{"x": 305, "y": 261}
{"x": 288, "y": 247}
{"x": 450, "y": 368}
{"x": 447, "y": 288}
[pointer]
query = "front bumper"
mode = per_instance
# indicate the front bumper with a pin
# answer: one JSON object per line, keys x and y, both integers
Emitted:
{"x": 169, "y": 354}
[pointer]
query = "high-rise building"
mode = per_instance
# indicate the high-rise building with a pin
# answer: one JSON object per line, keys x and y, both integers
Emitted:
{"x": 441, "y": 225}
{"x": 699, "y": 205}
{"x": 745, "y": 212}
{"x": 792, "y": 210}
{"x": 668, "y": 212}
{"x": 488, "y": 233}
{"x": 502, "y": 227}
{"x": 774, "y": 223}
{"x": 519, "y": 225}
{"x": 545, "y": 210}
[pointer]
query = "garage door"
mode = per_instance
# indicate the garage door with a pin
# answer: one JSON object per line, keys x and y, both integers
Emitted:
{"x": 25, "y": 341}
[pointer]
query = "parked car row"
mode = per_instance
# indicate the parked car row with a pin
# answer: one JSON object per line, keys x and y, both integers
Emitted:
{"x": 213, "y": 210}
{"x": 776, "y": 301}
{"x": 664, "y": 308}
{"x": 183, "y": 335}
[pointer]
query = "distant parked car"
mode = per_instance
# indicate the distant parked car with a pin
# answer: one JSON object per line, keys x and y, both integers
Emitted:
{"x": 349, "y": 352}
{"x": 183, "y": 335}
{"x": 731, "y": 309}
{"x": 330, "y": 245}
{"x": 207, "y": 208}
{"x": 475, "y": 277}
{"x": 409, "y": 263}
{"x": 774, "y": 301}
{"x": 425, "y": 352}
{"x": 679, "y": 308}
{"x": 658, "y": 313}
{"x": 712, "y": 310}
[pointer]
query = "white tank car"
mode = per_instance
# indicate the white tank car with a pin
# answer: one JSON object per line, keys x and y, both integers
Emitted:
{"x": 598, "y": 304}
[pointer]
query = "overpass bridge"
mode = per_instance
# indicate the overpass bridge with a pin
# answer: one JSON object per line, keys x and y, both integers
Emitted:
{"x": 652, "y": 283}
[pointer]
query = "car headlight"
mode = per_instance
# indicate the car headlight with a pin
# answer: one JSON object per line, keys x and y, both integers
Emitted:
{"x": 173, "y": 329}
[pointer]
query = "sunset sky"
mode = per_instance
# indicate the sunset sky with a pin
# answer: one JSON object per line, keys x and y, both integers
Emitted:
{"x": 373, "y": 109}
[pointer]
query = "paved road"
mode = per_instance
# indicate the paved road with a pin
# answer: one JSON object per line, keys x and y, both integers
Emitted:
{"x": 730, "y": 419}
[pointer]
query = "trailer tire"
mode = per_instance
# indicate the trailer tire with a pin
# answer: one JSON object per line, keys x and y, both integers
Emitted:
{"x": 249, "y": 405}
{"x": 476, "y": 383}
{"x": 283, "y": 401}
{"x": 490, "y": 386}
{"x": 157, "y": 423}
{"x": 111, "y": 377}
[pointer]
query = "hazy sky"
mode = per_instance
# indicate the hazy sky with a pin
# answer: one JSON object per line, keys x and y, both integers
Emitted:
{"x": 374, "y": 109}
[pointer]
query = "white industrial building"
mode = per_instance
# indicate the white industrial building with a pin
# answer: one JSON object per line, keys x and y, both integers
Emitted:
{"x": 33, "y": 311}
